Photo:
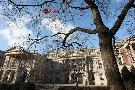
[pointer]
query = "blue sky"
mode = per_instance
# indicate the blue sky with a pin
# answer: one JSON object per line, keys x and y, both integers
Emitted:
{"x": 15, "y": 26}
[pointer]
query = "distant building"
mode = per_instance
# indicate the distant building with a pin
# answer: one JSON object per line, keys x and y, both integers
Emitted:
{"x": 65, "y": 67}
{"x": 85, "y": 65}
{"x": 82, "y": 66}
{"x": 17, "y": 65}
{"x": 125, "y": 52}
{"x": 2, "y": 57}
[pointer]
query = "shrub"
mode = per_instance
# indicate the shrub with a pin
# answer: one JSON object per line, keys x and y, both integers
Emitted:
{"x": 17, "y": 85}
{"x": 126, "y": 74}
{"x": 27, "y": 86}
{"x": 5, "y": 86}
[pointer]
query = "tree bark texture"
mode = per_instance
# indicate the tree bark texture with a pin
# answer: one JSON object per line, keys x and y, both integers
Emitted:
{"x": 114, "y": 79}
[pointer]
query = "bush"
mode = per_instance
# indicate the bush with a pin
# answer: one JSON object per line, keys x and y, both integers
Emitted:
{"x": 132, "y": 74}
{"x": 27, "y": 86}
{"x": 5, "y": 86}
{"x": 126, "y": 74}
{"x": 17, "y": 85}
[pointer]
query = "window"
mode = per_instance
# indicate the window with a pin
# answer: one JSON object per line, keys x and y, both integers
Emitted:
{"x": 52, "y": 67}
{"x": 120, "y": 62}
{"x": 101, "y": 78}
{"x": 100, "y": 65}
{"x": 133, "y": 46}
{"x": 93, "y": 78}
{"x": 128, "y": 47}
{"x": 98, "y": 52}
{"x": 57, "y": 79}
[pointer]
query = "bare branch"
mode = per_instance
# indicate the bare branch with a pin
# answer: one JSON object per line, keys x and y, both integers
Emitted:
{"x": 95, "y": 12}
{"x": 37, "y": 40}
{"x": 10, "y": 1}
{"x": 58, "y": 34}
{"x": 121, "y": 17}
{"x": 77, "y": 43}
{"x": 80, "y": 8}
{"x": 88, "y": 31}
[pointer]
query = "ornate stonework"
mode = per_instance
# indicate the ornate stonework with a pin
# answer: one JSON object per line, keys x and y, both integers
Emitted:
{"x": 17, "y": 65}
{"x": 82, "y": 66}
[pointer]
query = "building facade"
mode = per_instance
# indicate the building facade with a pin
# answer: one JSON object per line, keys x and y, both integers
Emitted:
{"x": 125, "y": 53}
{"x": 17, "y": 65}
{"x": 85, "y": 66}
{"x": 82, "y": 66}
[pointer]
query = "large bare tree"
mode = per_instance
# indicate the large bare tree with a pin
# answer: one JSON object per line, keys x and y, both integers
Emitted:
{"x": 105, "y": 34}
{"x": 105, "y": 42}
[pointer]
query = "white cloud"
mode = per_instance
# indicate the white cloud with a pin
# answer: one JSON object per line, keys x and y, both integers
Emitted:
{"x": 56, "y": 25}
{"x": 16, "y": 31}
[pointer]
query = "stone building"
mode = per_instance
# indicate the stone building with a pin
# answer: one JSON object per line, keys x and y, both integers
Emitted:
{"x": 82, "y": 66}
{"x": 2, "y": 57}
{"x": 125, "y": 52}
{"x": 17, "y": 65}
{"x": 85, "y": 65}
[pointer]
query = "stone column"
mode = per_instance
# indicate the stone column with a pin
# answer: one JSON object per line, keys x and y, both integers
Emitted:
{"x": 15, "y": 76}
{"x": 3, "y": 74}
{"x": 5, "y": 67}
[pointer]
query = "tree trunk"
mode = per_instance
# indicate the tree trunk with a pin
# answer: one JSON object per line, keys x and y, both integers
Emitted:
{"x": 114, "y": 79}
